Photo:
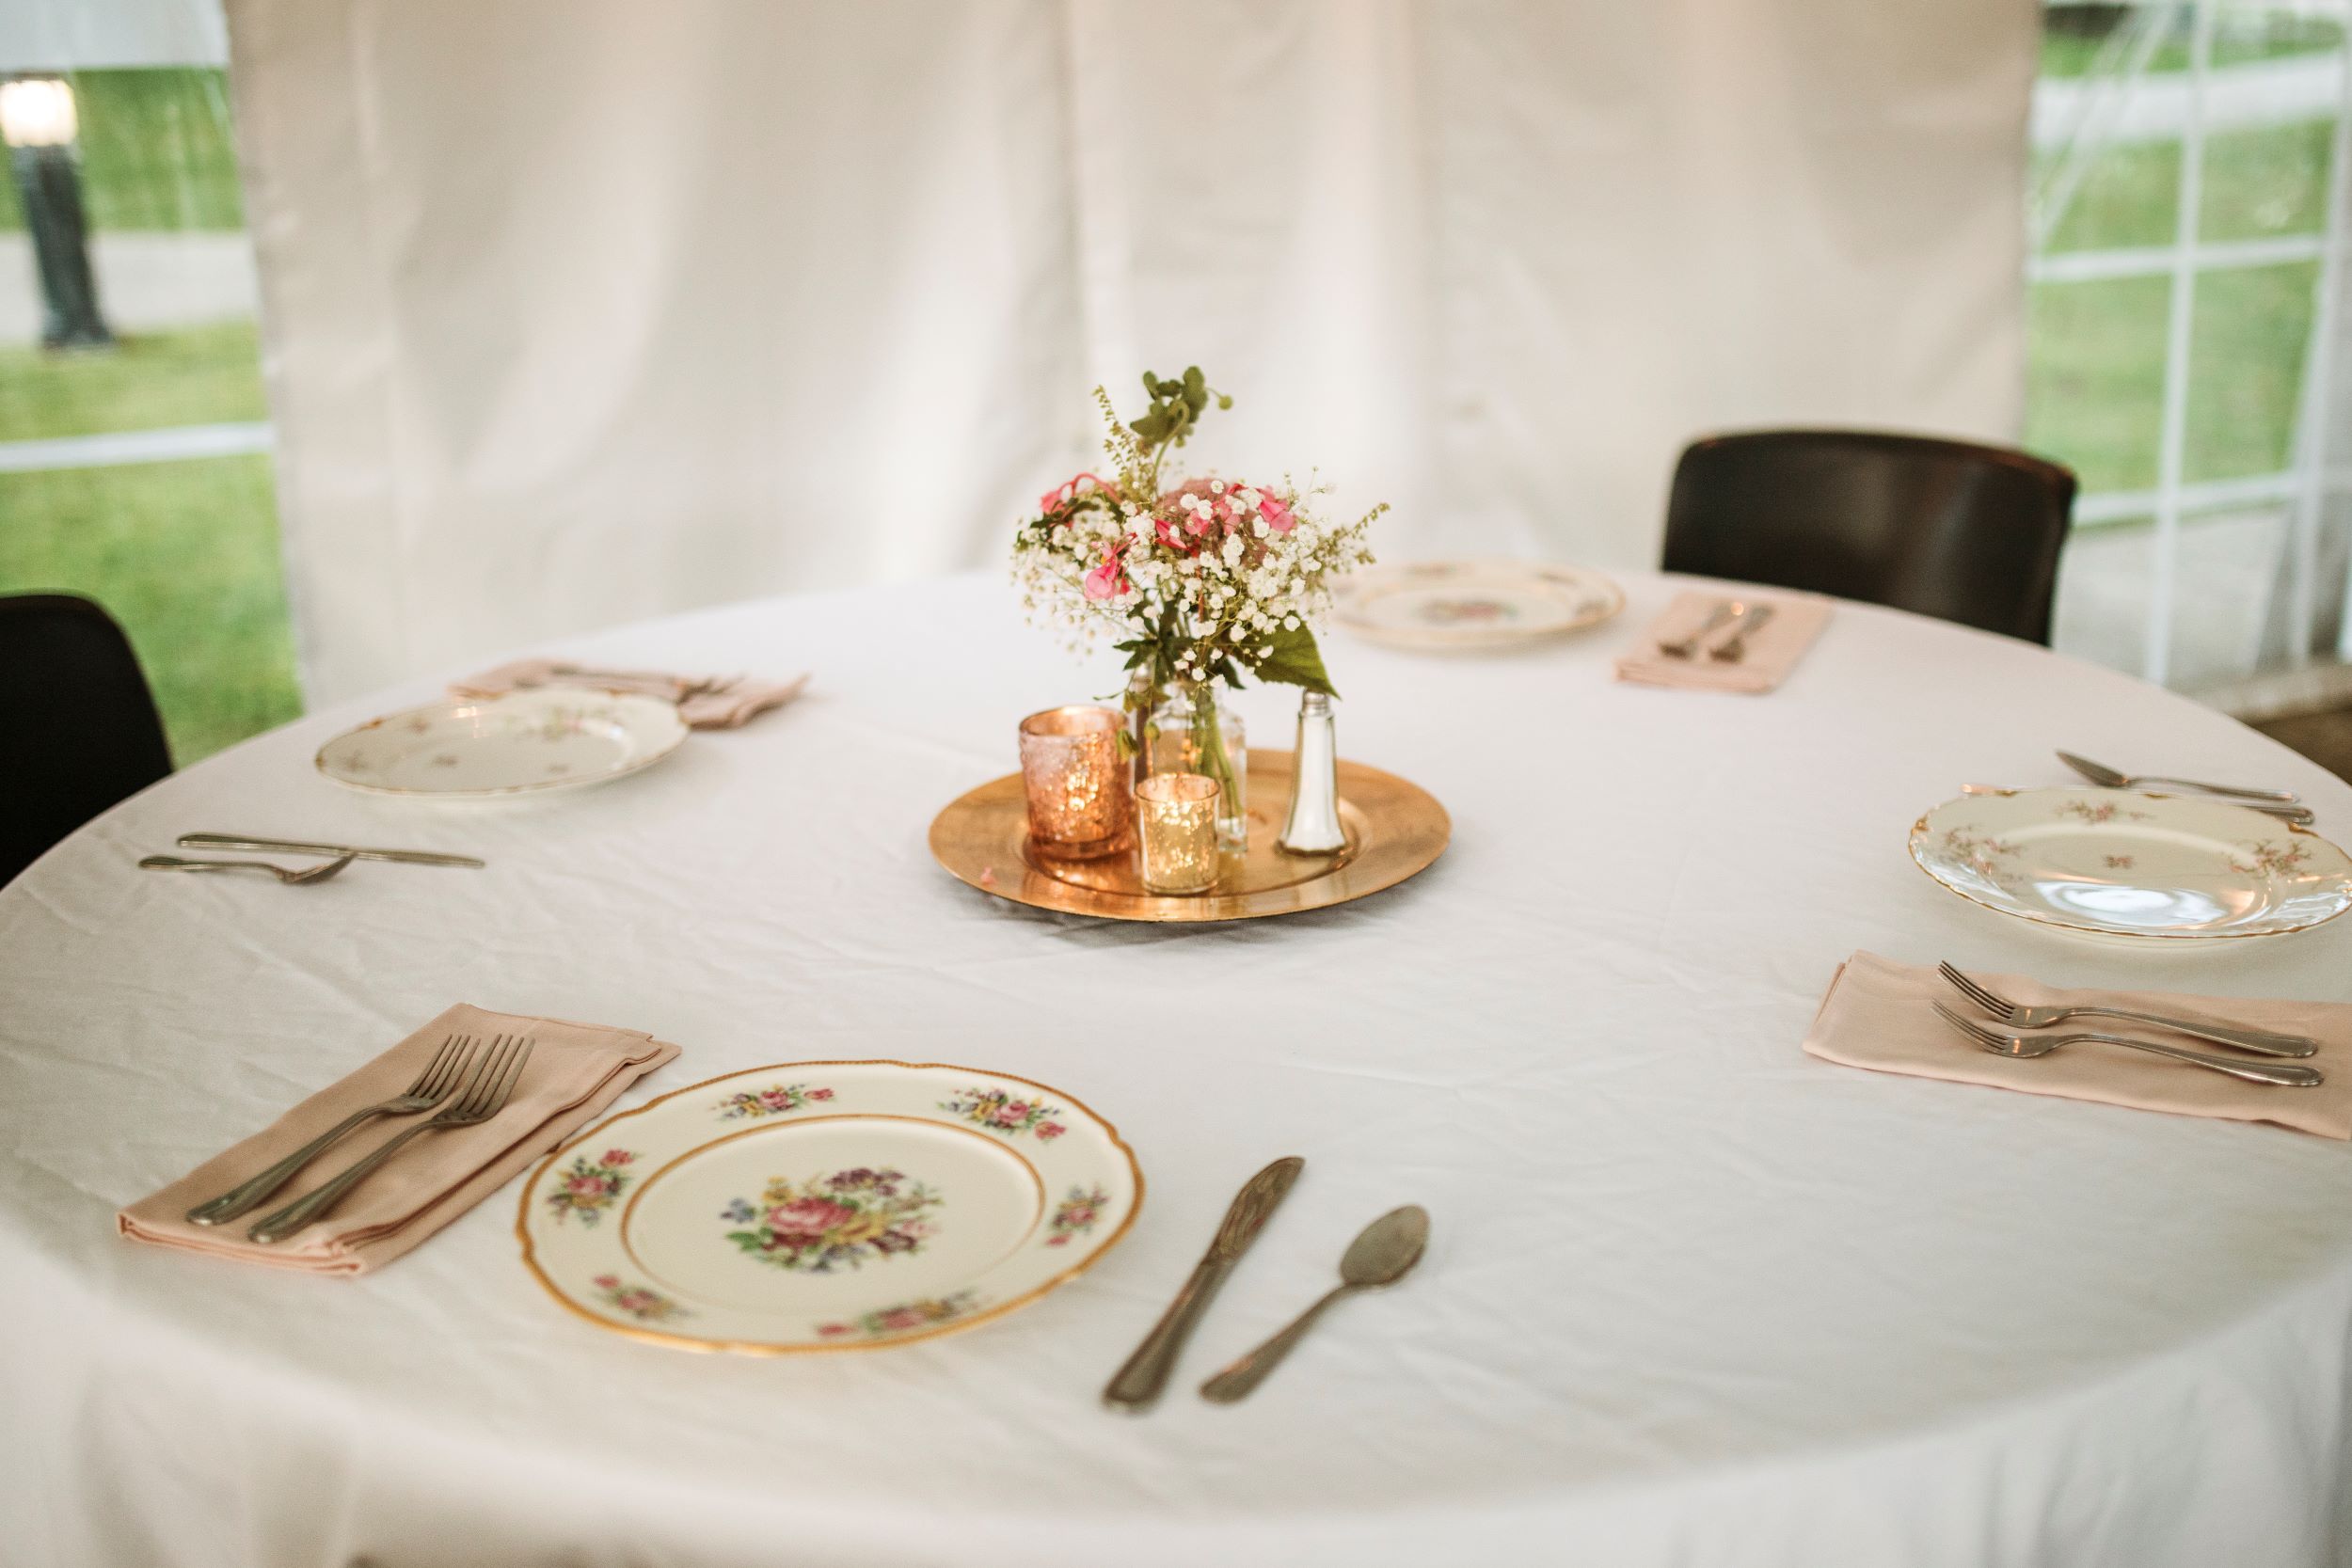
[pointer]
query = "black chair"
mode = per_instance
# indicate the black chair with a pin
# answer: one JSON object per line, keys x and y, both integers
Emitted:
{"x": 78, "y": 728}
{"x": 1949, "y": 529}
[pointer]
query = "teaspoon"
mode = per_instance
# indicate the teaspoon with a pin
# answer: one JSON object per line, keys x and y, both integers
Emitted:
{"x": 1384, "y": 1253}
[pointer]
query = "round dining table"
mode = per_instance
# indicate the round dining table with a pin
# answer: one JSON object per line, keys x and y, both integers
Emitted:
{"x": 1691, "y": 1296}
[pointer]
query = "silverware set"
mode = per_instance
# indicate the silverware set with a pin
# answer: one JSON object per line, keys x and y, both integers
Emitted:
{"x": 1741, "y": 616}
{"x": 337, "y": 856}
{"x": 462, "y": 1085}
{"x": 1383, "y": 1254}
{"x": 651, "y": 683}
{"x": 2019, "y": 1017}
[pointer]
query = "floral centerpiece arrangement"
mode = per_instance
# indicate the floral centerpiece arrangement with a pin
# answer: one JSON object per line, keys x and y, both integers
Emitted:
{"x": 1203, "y": 580}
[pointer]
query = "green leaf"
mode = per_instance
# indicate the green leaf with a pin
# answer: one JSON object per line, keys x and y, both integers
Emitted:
{"x": 1295, "y": 660}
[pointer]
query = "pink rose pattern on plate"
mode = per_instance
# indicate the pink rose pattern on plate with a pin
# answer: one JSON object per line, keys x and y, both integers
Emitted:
{"x": 1076, "y": 1214}
{"x": 590, "y": 1186}
{"x": 2272, "y": 860}
{"x": 648, "y": 1306}
{"x": 925, "y": 1313}
{"x": 846, "y": 1218}
{"x": 773, "y": 1100}
{"x": 1001, "y": 1111}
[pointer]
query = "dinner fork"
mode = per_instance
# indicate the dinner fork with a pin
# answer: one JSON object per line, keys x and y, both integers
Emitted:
{"x": 486, "y": 1091}
{"x": 2018, "y": 1016}
{"x": 437, "y": 1082}
{"x": 318, "y": 873}
{"x": 1684, "y": 647}
{"x": 2285, "y": 1074}
{"x": 2111, "y": 778}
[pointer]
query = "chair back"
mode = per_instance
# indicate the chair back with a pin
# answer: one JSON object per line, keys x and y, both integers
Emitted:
{"x": 78, "y": 727}
{"x": 1951, "y": 528}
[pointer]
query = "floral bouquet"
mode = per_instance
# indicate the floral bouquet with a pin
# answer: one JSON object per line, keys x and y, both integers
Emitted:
{"x": 1202, "y": 580}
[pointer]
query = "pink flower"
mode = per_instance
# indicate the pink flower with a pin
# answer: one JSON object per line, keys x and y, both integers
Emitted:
{"x": 829, "y": 1330}
{"x": 1058, "y": 1241}
{"x": 900, "y": 1317}
{"x": 589, "y": 1186}
{"x": 608, "y": 1281}
{"x": 820, "y": 1094}
{"x": 1047, "y": 1129}
{"x": 1063, "y": 495}
{"x": 807, "y": 1218}
{"x": 618, "y": 1157}
{"x": 1277, "y": 514}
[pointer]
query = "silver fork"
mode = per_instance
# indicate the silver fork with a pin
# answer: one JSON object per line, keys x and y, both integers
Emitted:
{"x": 487, "y": 1091}
{"x": 2115, "y": 778}
{"x": 1684, "y": 647}
{"x": 2287, "y": 1074}
{"x": 291, "y": 878}
{"x": 437, "y": 1082}
{"x": 2018, "y": 1016}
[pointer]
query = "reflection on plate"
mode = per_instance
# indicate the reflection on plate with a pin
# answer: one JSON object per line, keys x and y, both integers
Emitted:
{"x": 548, "y": 737}
{"x": 2118, "y": 864}
{"x": 1468, "y": 605}
{"x": 827, "y": 1206}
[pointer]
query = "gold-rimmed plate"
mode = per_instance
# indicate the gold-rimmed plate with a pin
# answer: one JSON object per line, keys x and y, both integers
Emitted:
{"x": 1468, "y": 605}
{"x": 1394, "y": 830}
{"x": 474, "y": 748}
{"x": 813, "y": 1206}
{"x": 2114, "y": 863}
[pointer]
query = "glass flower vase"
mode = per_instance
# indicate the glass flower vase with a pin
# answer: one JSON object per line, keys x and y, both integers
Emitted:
{"x": 1195, "y": 731}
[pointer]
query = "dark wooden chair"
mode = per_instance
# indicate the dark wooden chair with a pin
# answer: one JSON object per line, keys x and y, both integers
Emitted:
{"x": 1949, "y": 529}
{"x": 78, "y": 727}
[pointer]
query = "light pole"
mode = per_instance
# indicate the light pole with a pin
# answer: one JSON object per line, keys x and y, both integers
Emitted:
{"x": 38, "y": 121}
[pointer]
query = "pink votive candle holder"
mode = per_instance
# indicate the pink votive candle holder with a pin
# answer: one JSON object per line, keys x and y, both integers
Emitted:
{"x": 1078, "y": 783}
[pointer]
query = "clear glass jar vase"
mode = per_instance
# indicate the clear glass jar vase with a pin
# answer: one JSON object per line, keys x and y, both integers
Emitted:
{"x": 1195, "y": 731}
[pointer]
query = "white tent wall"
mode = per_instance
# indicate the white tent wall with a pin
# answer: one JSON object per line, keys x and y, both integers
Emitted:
{"x": 576, "y": 314}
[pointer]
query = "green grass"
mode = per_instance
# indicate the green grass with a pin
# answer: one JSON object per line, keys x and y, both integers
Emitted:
{"x": 202, "y": 375}
{"x": 2072, "y": 36}
{"x": 156, "y": 151}
{"x": 185, "y": 556}
{"x": 2257, "y": 183}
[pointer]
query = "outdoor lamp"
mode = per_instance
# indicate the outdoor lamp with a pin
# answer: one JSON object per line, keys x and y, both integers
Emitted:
{"x": 38, "y": 124}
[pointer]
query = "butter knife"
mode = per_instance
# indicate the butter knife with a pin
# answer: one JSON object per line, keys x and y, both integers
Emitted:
{"x": 297, "y": 846}
{"x": 1139, "y": 1382}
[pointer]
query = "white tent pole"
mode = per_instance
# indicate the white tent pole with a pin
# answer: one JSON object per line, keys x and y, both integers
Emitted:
{"x": 2164, "y": 566}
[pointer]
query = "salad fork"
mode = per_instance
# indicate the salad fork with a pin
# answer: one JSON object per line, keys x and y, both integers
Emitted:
{"x": 2111, "y": 778}
{"x": 2018, "y": 1016}
{"x": 484, "y": 1095}
{"x": 437, "y": 1082}
{"x": 2284, "y": 1074}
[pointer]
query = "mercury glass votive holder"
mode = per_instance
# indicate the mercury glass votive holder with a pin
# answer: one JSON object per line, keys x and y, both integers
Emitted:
{"x": 1078, "y": 783}
{"x": 1176, "y": 816}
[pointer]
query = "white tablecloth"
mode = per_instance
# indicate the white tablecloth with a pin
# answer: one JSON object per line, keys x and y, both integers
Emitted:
{"x": 1694, "y": 1297}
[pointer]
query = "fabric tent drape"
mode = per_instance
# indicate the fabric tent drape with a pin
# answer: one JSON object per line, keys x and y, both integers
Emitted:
{"x": 575, "y": 314}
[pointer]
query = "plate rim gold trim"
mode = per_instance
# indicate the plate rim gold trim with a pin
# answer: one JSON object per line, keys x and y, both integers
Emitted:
{"x": 1920, "y": 827}
{"x": 756, "y": 1347}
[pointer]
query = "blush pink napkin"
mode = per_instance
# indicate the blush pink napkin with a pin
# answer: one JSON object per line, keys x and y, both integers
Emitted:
{"x": 1880, "y": 1014}
{"x": 1773, "y": 650}
{"x": 575, "y": 1071}
{"x": 702, "y": 710}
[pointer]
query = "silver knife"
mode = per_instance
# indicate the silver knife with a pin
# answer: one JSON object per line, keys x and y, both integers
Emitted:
{"x": 297, "y": 846}
{"x": 1138, "y": 1383}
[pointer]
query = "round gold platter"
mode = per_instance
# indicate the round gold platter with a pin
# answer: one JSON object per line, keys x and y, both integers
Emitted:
{"x": 1394, "y": 829}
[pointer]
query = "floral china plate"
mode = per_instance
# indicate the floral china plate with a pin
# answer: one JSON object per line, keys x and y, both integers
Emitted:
{"x": 1439, "y": 605}
{"x": 827, "y": 1206}
{"x": 2111, "y": 863}
{"x": 548, "y": 737}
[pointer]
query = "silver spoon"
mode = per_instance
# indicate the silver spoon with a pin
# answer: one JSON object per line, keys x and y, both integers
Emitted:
{"x": 1382, "y": 1254}
{"x": 318, "y": 873}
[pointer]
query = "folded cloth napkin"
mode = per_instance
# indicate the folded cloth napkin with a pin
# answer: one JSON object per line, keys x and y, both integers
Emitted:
{"x": 1773, "y": 649}
{"x": 574, "y": 1072}
{"x": 723, "y": 709}
{"x": 1878, "y": 1014}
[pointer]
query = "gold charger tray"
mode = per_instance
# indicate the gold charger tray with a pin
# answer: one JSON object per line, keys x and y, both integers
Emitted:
{"x": 1394, "y": 829}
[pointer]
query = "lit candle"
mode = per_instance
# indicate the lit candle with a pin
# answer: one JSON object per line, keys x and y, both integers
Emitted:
{"x": 1177, "y": 813}
{"x": 1076, "y": 782}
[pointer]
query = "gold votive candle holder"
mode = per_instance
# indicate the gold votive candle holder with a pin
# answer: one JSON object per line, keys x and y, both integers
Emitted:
{"x": 1078, "y": 783}
{"x": 1177, "y": 815}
